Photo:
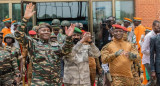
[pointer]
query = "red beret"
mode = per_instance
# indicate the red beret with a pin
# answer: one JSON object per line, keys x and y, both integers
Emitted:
{"x": 32, "y": 32}
{"x": 83, "y": 32}
{"x": 119, "y": 27}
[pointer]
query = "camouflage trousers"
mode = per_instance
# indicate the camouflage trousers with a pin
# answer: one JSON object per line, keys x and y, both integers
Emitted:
{"x": 6, "y": 80}
{"x": 42, "y": 83}
{"x": 75, "y": 85}
{"x": 136, "y": 78}
{"x": 122, "y": 81}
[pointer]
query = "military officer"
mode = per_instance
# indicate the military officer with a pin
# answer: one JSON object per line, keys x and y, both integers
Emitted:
{"x": 9, "y": 39}
{"x": 54, "y": 42}
{"x": 9, "y": 72}
{"x": 45, "y": 63}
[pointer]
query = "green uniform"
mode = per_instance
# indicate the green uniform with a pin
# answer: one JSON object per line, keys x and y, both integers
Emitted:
{"x": 45, "y": 63}
{"x": 8, "y": 67}
{"x": 61, "y": 38}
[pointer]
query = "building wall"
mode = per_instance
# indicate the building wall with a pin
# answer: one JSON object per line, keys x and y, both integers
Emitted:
{"x": 148, "y": 10}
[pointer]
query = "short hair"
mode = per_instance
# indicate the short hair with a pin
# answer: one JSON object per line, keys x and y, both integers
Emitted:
{"x": 155, "y": 22}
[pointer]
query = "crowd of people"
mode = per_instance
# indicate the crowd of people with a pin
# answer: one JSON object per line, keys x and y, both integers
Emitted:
{"x": 63, "y": 54}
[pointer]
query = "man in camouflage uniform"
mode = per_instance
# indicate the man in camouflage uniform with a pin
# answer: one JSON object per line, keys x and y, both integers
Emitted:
{"x": 8, "y": 68}
{"x": 9, "y": 39}
{"x": 76, "y": 65}
{"x": 135, "y": 68}
{"x": 54, "y": 42}
{"x": 45, "y": 63}
{"x": 120, "y": 58}
{"x": 8, "y": 64}
{"x": 55, "y": 23}
{"x": 60, "y": 36}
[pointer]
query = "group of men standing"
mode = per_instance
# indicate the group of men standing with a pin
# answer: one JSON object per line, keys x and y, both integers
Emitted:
{"x": 129, "y": 42}
{"x": 43, "y": 52}
{"x": 62, "y": 53}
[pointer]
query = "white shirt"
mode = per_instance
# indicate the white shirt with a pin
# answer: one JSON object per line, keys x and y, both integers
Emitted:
{"x": 146, "y": 47}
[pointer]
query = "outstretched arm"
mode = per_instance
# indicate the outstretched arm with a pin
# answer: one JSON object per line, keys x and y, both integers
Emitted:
{"x": 20, "y": 33}
{"x": 67, "y": 47}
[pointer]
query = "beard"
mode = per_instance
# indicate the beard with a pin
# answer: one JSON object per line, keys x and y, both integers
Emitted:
{"x": 75, "y": 40}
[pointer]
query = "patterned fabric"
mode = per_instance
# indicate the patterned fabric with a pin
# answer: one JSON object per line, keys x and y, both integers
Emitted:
{"x": 45, "y": 62}
{"x": 136, "y": 78}
{"x": 132, "y": 37}
{"x": 55, "y": 45}
{"x": 61, "y": 38}
{"x": 76, "y": 65}
{"x": 75, "y": 85}
{"x": 8, "y": 67}
{"x": 122, "y": 81}
{"x": 115, "y": 63}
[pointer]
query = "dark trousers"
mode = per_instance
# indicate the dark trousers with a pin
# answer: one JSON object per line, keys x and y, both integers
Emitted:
{"x": 158, "y": 79}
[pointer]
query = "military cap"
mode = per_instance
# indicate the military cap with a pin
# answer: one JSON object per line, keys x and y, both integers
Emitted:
{"x": 55, "y": 22}
{"x": 41, "y": 23}
{"x": 137, "y": 19}
{"x": 77, "y": 30}
{"x": 127, "y": 20}
{"x": 116, "y": 26}
{"x": 148, "y": 28}
{"x": 9, "y": 36}
{"x": 32, "y": 32}
{"x": 65, "y": 23}
{"x": 14, "y": 21}
{"x": 55, "y": 27}
{"x": 7, "y": 20}
{"x": 44, "y": 25}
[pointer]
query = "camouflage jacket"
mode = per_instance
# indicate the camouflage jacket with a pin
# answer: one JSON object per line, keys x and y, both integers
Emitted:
{"x": 61, "y": 38}
{"x": 8, "y": 66}
{"x": 45, "y": 63}
{"x": 76, "y": 64}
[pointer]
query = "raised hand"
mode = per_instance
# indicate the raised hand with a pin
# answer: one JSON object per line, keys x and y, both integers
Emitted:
{"x": 69, "y": 31}
{"x": 89, "y": 39}
{"x": 86, "y": 37}
{"x": 29, "y": 11}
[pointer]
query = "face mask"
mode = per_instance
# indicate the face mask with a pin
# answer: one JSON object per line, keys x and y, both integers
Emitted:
{"x": 75, "y": 40}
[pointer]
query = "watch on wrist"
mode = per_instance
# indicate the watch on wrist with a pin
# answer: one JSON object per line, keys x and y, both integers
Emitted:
{"x": 24, "y": 19}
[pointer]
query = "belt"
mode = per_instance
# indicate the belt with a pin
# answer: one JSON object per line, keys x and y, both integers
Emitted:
{"x": 6, "y": 71}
